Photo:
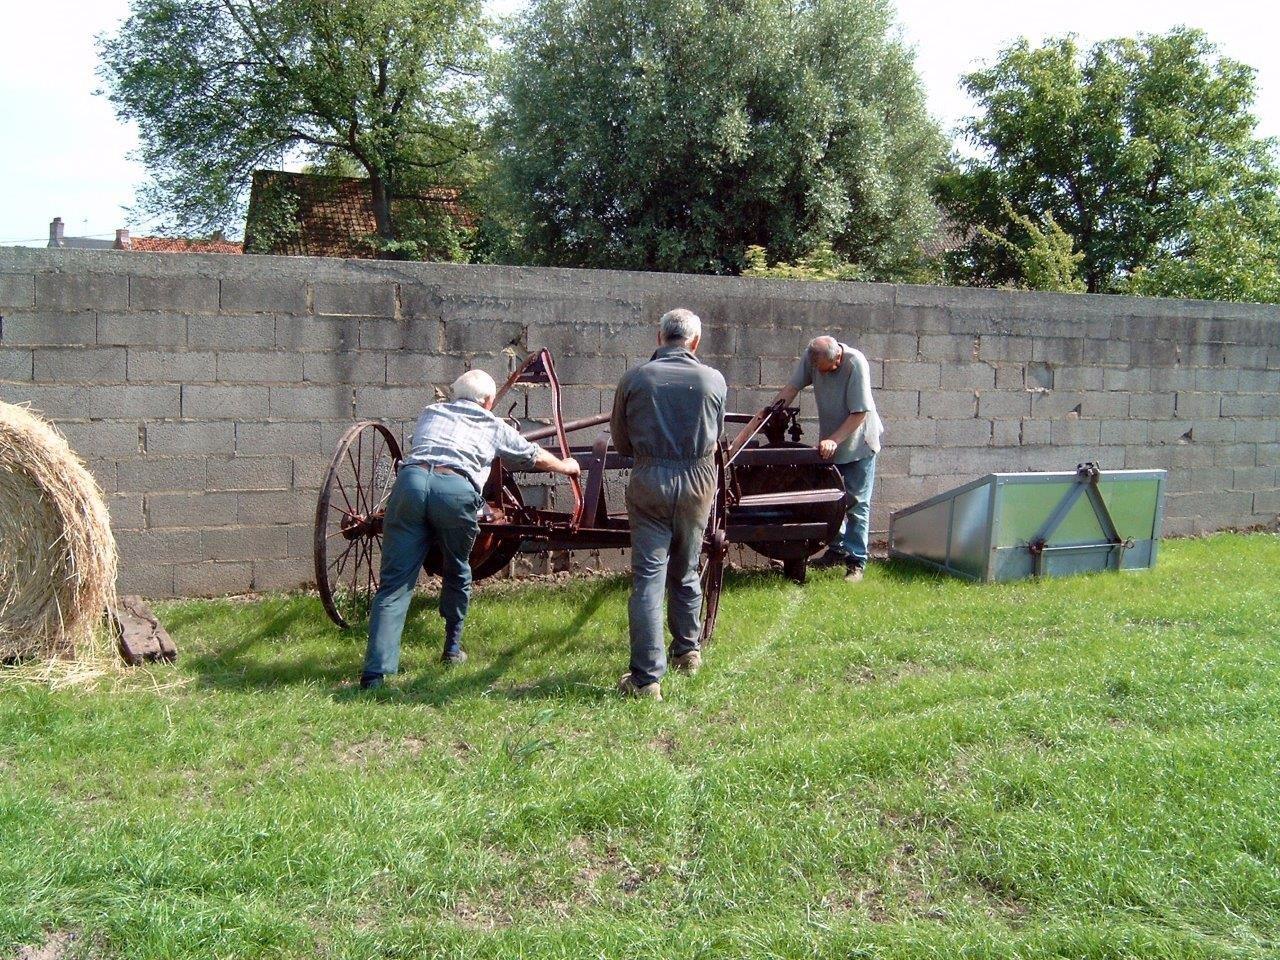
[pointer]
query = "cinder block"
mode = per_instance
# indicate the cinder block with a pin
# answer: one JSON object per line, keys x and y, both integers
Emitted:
{"x": 640, "y": 339}
{"x": 101, "y": 439}
{"x": 288, "y": 574}
{"x": 420, "y": 369}
{"x": 1217, "y": 380}
{"x": 948, "y": 404}
{"x": 311, "y": 403}
{"x": 910, "y": 375}
{"x": 420, "y": 300}
{"x": 1154, "y": 353}
{"x": 1035, "y": 432}
{"x": 130, "y": 401}
{"x": 250, "y": 473}
{"x": 309, "y": 471}
{"x": 179, "y": 366}
{"x": 964, "y": 433}
{"x": 142, "y": 548}
{"x": 1004, "y": 404}
{"x": 788, "y": 342}
{"x": 1077, "y": 378}
{"x": 213, "y": 579}
{"x": 1060, "y": 351}
{"x": 577, "y": 336}
{"x": 1006, "y": 433}
{"x": 180, "y": 294}
{"x": 969, "y": 376}
{"x": 220, "y": 403}
{"x": 80, "y": 364}
{"x": 1236, "y": 455}
{"x": 231, "y": 333}
{"x": 1264, "y": 430}
{"x": 772, "y": 371}
{"x": 912, "y": 433}
{"x": 150, "y": 580}
{"x": 1114, "y": 353}
{"x": 394, "y": 403}
{"x": 293, "y": 507}
{"x": 54, "y": 401}
{"x": 1003, "y": 348}
{"x": 81, "y": 291}
{"x": 104, "y": 472}
{"x": 1251, "y": 478}
{"x": 1125, "y": 432}
{"x": 280, "y": 438}
{"x": 1260, "y": 381}
{"x": 172, "y": 438}
{"x": 16, "y": 364}
{"x": 48, "y": 327}
{"x": 18, "y": 290}
{"x": 1152, "y": 406}
{"x": 142, "y": 329}
{"x": 355, "y": 299}
{"x": 1135, "y": 381}
{"x": 927, "y": 320}
{"x": 1268, "y": 454}
{"x": 884, "y": 346}
{"x": 897, "y": 404}
{"x": 161, "y": 474}
{"x": 243, "y": 543}
{"x": 317, "y": 333}
{"x": 1009, "y": 376}
{"x": 948, "y": 347}
{"x": 264, "y": 296}
{"x": 419, "y": 336}
{"x": 1205, "y": 478}
{"x": 482, "y": 336}
{"x": 1197, "y": 406}
{"x": 125, "y": 511}
{"x": 1266, "y": 502}
{"x": 1164, "y": 379}
{"x": 197, "y": 509}
{"x": 271, "y": 366}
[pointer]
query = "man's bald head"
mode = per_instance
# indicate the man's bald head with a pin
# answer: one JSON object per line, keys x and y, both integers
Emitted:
{"x": 826, "y": 353}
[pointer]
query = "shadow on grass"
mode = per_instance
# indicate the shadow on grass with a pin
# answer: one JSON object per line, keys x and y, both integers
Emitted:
{"x": 905, "y": 571}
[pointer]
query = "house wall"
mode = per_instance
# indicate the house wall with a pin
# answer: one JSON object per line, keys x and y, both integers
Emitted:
{"x": 208, "y": 392}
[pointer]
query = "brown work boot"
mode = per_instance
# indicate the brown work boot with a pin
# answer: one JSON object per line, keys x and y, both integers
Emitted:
{"x": 688, "y": 663}
{"x": 627, "y": 687}
{"x": 853, "y": 573}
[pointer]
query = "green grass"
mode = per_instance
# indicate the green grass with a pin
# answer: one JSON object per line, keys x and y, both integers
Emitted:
{"x": 912, "y": 767}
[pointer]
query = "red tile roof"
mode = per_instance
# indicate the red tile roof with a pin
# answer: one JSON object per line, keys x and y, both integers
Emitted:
{"x": 334, "y": 214}
{"x": 182, "y": 245}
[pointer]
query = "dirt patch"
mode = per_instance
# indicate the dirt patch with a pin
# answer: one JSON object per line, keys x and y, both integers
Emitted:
{"x": 56, "y": 946}
{"x": 476, "y": 915}
{"x": 665, "y": 744}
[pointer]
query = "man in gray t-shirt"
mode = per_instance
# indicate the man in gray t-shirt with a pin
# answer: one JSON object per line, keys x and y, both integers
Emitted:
{"x": 850, "y": 430}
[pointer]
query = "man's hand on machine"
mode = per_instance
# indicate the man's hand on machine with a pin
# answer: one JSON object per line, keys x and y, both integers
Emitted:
{"x": 826, "y": 449}
{"x": 549, "y": 462}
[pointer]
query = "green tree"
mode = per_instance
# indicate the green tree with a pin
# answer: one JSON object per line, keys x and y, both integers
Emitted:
{"x": 1125, "y": 145}
{"x": 673, "y": 134}
{"x": 221, "y": 87}
{"x": 1047, "y": 259}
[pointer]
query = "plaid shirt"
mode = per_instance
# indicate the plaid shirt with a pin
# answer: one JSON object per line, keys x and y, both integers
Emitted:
{"x": 464, "y": 436}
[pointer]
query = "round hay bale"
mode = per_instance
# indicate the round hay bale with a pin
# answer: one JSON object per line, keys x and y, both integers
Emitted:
{"x": 57, "y": 554}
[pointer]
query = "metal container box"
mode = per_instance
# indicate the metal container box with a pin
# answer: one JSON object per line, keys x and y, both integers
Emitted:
{"x": 1007, "y": 526}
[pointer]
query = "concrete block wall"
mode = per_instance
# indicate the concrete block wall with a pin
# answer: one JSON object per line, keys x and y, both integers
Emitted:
{"x": 207, "y": 392}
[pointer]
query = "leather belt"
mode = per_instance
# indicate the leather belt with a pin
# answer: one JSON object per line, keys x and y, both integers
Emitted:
{"x": 433, "y": 468}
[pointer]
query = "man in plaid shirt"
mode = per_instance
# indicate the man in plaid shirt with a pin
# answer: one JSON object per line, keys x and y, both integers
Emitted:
{"x": 435, "y": 502}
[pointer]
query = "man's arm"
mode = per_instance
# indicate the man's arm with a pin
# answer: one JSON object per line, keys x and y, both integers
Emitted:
{"x": 827, "y": 447}
{"x": 549, "y": 462}
{"x": 786, "y": 395}
{"x": 618, "y": 431}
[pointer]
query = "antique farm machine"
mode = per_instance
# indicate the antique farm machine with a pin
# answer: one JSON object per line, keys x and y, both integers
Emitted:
{"x": 775, "y": 495}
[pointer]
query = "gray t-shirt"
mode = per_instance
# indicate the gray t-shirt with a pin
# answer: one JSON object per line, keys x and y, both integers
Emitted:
{"x": 843, "y": 391}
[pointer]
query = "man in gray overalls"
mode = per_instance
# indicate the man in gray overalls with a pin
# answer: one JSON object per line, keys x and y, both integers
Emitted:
{"x": 668, "y": 414}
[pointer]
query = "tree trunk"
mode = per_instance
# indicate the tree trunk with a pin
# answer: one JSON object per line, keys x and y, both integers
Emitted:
{"x": 382, "y": 213}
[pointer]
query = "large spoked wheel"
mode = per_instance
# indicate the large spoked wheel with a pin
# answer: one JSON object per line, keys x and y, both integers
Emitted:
{"x": 349, "y": 515}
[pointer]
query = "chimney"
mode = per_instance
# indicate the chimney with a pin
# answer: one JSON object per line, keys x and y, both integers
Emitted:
{"x": 55, "y": 233}
{"x": 122, "y": 239}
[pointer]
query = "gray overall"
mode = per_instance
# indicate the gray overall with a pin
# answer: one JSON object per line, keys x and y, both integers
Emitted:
{"x": 668, "y": 414}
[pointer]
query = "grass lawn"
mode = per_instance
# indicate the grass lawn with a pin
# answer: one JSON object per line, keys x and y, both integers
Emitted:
{"x": 911, "y": 767}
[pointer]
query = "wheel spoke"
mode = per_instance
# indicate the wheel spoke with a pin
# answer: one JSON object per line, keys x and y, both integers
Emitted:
{"x": 342, "y": 488}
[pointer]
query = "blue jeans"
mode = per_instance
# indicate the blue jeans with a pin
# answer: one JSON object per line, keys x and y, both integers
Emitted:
{"x": 859, "y": 476}
{"x": 425, "y": 510}
{"x": 667, "y": 505}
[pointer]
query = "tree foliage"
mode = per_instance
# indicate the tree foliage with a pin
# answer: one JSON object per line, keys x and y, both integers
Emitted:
{"x": 673, "y": 134}
{"x": 1126, "y": 145}
{"x": 221, "y": 87}
{"x": 1047, "y": 259}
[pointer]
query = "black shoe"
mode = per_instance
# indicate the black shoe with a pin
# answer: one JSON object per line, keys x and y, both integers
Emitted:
{"x": 832, "y": 558}
{"x": 853, "y": 572}
{"x": 370, "y": 681}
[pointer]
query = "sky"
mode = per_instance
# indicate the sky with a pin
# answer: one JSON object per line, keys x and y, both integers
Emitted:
{"x": 63, "y": 153}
